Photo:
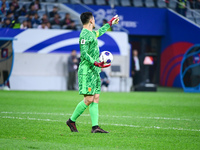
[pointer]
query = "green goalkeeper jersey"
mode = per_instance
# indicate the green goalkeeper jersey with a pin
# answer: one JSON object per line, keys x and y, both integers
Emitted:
{"x": 90, "y": 50}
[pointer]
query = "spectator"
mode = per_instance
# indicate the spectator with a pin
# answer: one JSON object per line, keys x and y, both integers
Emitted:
{"x": 3, "y": 9}
{"x": 15, "y": 22}
{"x": 36, "y": 5}
{"x": 11, "y": 10}
{"x": 67, "y": 20}
{"x": 6, "y": 3}
{"x": 181, "y": 7}
{"x": 24, "y": 25}
{"x": 15, "y": 4}
{"x": 56, "y": 20}
{"x": 53, "y": 12}
{"x": 48, "y": 24}
{"x": 104, "y": 22}
{"x": 72, "y": 69}
{"x": 29, "y": 24}
{"x": 135, "y": 69}
{"x": 30, "y": 19}
{"x": 32, "y": 10}
{"x": 104, "y": 79}
{"x": 7, "y": 23}
{"x": 22, "y": 11}
{"x": 45, "y": 18}
{"x": 43, "y": 26}
{"x": 36, "y": 20}
{"x": 197, "y": 4}
{"x": 9, "y": 16}
{"x": 72, "y": 26}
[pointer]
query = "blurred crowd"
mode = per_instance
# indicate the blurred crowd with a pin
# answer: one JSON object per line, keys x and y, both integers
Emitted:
{"x": 14, "y": 16}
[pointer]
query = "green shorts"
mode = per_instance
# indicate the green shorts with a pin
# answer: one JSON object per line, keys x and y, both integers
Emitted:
{"x": 89, "y": 84}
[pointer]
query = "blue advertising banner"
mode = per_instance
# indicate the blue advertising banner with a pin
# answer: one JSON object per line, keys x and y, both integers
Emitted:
{"x": 137, "y": 21}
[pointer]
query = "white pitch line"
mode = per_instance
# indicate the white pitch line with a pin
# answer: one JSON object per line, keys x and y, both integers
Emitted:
{"x": 65, "y": 114}
{"x": 60, "y": 114}
{"x": 122, "y": 125}
{"x": 164, "y": 118}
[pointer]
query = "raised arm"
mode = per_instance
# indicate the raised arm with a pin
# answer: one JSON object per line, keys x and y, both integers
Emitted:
{"x": 104, "y": 28}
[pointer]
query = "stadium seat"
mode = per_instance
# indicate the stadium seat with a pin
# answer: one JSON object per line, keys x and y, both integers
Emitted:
{"x": 20, "y": 4}
{"x": 189, "y": 14}
{"x": 191, "y": 18}
{"x": 24, "y": 0}
{"x": 116, "y": 2}
{"x": 172, "y": 4}
{"x": 188, "y": 4}
{"x": 161, "y": 4}
{"x": 137, "y": 3}
{"x": 75, "y": 1}
{"x": 63, "y": 1}
{"x": 62, "y": 14}
{"x": 41, "y": 13}
{"x": 35, "y": 26}
{"x": 88, "y": 2}
{"x": 56, "y": 27}
{"x": 100, "y": 2}
{"x": 50, "y": 7}
{"x": 51, "y": 1}
{"x": 43, "y": 6}
{"x": 22, "y": 18}
{"x": 198, "y": 21}
{"x": 27, "y": 4}
{"x": 64, "y": 26}
{"x": 125, "y": 3}
{"x": 149, "y": 3}
{"x": 196, "y": 13}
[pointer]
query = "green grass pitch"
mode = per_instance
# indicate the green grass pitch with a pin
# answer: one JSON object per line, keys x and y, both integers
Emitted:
{"x": 167, "y": 119}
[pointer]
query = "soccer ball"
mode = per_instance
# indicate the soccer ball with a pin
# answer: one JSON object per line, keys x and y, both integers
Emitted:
{"x": 106, "y": 57}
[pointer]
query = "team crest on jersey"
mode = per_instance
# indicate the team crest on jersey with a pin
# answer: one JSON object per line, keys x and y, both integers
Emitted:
{"x": 89, "y": 89}
{"x": 82, "y": 41}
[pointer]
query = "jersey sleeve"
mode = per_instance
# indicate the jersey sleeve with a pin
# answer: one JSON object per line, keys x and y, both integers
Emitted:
{"x": 84, "y": 46}
{"x": 102, "y": 30}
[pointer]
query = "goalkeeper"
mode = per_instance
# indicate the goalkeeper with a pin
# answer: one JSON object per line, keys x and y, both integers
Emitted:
{"x": 89, "y": 69}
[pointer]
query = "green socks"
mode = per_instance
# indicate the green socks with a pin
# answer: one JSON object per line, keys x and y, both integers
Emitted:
{"x": 94, "y": 113}
{"x": 78, "y": 111}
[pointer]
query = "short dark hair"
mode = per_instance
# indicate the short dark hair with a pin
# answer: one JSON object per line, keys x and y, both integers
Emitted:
{"x": 85, "y": 17}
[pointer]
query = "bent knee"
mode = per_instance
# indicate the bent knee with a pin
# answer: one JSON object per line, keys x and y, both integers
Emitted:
{"x": 88, "y": 100}
{"x": 96, "y": 98}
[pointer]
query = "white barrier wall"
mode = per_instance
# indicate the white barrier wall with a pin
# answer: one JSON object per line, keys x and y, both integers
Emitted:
{"x": 32, "y": 71}
{"x": 40, "y": 58}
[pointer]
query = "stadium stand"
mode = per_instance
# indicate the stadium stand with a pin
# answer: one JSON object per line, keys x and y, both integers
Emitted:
{"x": 116, "y": 2}
{"x": 100, "y": 2}
{"x": 161, "y": 4}
{"x": 125, "y": 3}
{"x": 137, "y": 3}
{"x": 63, "y": 1}
{"x": 88, "y": 2}
{"x": 189, "y": 14}
{"x": 149, "y": 3}
{"x": 191, "y": 18}
{"x": 192, "y": 13}
{"x": 172, "y": 4}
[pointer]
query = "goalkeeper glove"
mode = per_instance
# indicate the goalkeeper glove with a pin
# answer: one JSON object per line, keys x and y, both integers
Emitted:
{"x": 101, "y": 64}
{"x": 114, "y": 20}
